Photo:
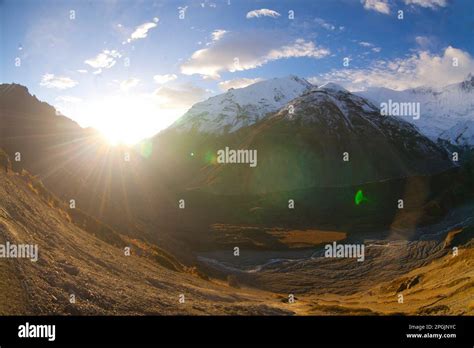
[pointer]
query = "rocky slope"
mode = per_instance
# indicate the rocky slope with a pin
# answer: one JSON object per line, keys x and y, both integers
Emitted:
{"x": 77, "y": 261}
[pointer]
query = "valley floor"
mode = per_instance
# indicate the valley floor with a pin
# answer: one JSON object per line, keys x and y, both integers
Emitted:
{"x": 105, "y": 281}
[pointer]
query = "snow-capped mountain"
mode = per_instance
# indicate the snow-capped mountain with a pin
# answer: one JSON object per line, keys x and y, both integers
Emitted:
{"x": 302, "y": 145}
{"x": 462, "y": 133}
{"x": 241, "y": 107}
{"x": 443, "y": 110}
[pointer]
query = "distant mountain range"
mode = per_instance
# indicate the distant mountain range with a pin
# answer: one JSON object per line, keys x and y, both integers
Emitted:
{"x": 446, "y": 113}
{"x": 301, "y": 133}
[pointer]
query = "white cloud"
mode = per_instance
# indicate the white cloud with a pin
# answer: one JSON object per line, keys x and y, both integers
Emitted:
{"x": 141, "y": 31}
{"x": 377, "y": 5}
{"x": 299, "y": 48}
{"x": 420, "y": 69}
{"x": 82, "y": 71}
{"x": 366, "y": 44}
{"x": 125, "y": 85}
{"x": 180, "y": 97}
{"x": 162, "y": 79}
{"x": 433, "y": 4}
{"x": 59, "y": 82}
{"x": 423, "y": 41}
{"x": 238, "y": 83}
{"x": 209, "y": 4}
{"x": 264, "y": 12}
{"x": 104, "y": 60}
{"x": 248, "y": 50}
{"x": 218, "y": 34}
{"x": 370, "y": 45}
{"x": 321, "y": 22}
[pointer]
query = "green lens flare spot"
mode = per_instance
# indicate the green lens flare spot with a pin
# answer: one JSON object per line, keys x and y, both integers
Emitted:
{"x": 210, "y": 157}
{"x": 359, "y": 197}
{"x": 146, "y": 148}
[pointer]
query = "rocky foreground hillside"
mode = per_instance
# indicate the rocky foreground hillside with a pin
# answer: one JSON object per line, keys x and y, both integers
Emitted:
{"x": 77, "y": 261}
{"x": 91, "y": 264}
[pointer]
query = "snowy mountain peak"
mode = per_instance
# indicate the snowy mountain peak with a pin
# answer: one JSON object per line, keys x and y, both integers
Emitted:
{"x": 443, "y": 111}
{"x": 327, "y": 103}
{"x": 241, "y": 107}
{"x": 333, "y": 86}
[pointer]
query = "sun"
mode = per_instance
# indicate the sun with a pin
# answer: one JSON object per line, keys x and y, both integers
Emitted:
{"x": 126, "y": 119}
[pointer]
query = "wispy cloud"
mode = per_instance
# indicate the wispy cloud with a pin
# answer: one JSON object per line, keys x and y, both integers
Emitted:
{"x": 208, "y": 4}
{"x": 238, "y": 83}
{"x": 127, "y": 84}
{"x": 104, "y": 60}
{"x": 162, "y": 79}
{"x": 370, "y": 45}
{"x": 424, "y": 42}
{"x": 180, "y": 97}
{"x": 141, "y": 31}
{"x": 264, "y": 12}
{"x": 324, "y": 24}
{"x": 380, "y": 6}
{"x": 218, "y": 34}
{"x": 433, "y": 4}
{"x": 244, "y": 51}
{"x": 365, "y": 44}
{"x": 420, "y": 69}
{"x": 59, "y": 82}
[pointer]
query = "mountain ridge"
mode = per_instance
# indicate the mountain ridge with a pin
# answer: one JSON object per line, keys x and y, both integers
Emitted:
{"x": 236, "y": 108}
{"x": 444, "y": 109}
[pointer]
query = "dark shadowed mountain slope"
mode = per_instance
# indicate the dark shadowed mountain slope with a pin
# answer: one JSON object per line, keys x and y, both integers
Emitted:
{"x": 300, "y": 157}
{"x": 305, "y": 148}
{"x": 109, "y": 183}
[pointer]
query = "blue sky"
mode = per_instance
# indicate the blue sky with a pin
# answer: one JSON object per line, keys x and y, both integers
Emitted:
{"x": 109, "y": 59}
